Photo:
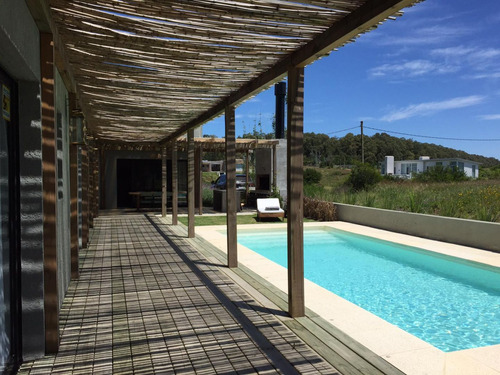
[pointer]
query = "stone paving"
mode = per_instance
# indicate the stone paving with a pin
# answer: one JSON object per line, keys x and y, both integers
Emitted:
{"x": 147, "y": 302}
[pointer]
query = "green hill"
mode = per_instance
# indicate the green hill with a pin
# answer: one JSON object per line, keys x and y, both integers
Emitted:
{"x": 320, "y": 150}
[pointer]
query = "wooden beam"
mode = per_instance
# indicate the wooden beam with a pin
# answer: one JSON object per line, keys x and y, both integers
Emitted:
{"x": 40, "y": 12}
{"x": 49, "y": 177}
{"x": 190, "y": 184}
{"x": 164, "y": 181}
{"x": 369, "y": 14}
{"x": 296, "y": 306}
{"x": 175, "y": 184}
{"x": 232, "y": 241}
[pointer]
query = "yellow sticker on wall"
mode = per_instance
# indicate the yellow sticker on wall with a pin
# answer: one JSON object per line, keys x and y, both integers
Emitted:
{"x": 5, "y": 103}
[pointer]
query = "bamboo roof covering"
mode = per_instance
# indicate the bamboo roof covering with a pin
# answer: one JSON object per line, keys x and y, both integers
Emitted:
{"x": 147, "y": 71}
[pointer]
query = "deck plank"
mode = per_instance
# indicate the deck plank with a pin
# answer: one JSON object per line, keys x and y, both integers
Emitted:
{"x": 148, "y": 302}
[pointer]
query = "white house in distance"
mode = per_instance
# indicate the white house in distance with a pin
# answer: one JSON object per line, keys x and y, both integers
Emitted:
{"x": 405, "y": 168}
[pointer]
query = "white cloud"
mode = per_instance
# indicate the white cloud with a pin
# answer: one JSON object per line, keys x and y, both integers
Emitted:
{"x": 492, "y": 75}
{"x": 456, "y": 51}
{"x": 478, "y": 59}
{"x": 428, "y": 108}
{"x": 412, "y": 68}
{"x": 479, "y": 63}
{"x": 490, "y": 117}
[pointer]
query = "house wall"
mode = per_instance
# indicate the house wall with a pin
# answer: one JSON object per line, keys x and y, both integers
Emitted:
{"x": 423, "y": 165}
{"x": 20, "y": 58}
{"x": 399, "y": 165}
{"x": 478, "y": 234}
{"x": 470, "y": 171}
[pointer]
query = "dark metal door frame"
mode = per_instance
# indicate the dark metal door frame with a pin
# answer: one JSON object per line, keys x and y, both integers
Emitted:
{"x": 14, "y": 226}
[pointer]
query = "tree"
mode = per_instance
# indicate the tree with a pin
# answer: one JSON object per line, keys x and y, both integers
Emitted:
{"x": 363, "y": 176}
{"x": 311, "y": 176}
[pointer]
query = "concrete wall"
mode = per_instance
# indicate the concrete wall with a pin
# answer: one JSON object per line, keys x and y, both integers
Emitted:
{"x": 479, "y": 234}
{"x": 63, "y": 189}
{"x": 20, "y": 58}
{"x": 19, "y": 41}
{"x": 281, "y": 165}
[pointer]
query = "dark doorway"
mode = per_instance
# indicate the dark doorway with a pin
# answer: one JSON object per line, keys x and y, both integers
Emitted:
{"x": 136, "y": 175}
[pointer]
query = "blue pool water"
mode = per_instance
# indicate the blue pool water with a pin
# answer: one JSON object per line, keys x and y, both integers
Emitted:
{"x": 449, "y": 303}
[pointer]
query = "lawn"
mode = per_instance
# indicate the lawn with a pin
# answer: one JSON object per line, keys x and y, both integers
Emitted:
{"x": 221, "y": 220}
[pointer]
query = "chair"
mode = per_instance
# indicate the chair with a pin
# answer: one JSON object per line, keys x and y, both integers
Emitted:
{"x": 269, "y": 207}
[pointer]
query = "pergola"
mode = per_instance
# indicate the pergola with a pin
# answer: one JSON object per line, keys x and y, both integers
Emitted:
{"x": 146, "y": 72}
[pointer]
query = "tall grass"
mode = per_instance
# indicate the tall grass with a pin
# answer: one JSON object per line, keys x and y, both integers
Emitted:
{"x": 478, "y": 200}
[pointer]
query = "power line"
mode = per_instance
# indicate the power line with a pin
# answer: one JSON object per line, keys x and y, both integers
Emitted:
{"x": 343, "y": 130}
{"x": 431, "y": 137}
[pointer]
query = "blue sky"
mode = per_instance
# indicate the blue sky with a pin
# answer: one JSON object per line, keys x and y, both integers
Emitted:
{"x": 434, "y": 72}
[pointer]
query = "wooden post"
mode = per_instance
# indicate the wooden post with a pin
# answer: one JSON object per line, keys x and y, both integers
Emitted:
{"x": 198, "y": 181}
{"x": 85, "y": 196}
{"x": 74, "y": 209}
{"x": 164, "y": 181}
{"x": 247, "y": 175}
{"x": 175, "y": 184}
{"x": 296, "y": 305}
{"x": 190, "y": 187}
{"x": 102, "y": 180}
{"x": 49, "y": 180}
{"x": 90, "y": 188}
{"x": 97, "y": 187}
{"x": 232, "y": 241}
{"x": 362, "y": 144}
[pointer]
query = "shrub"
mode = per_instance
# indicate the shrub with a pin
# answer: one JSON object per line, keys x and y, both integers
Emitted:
{"x": 439, "y": 173}
{"x": 311, "y": 176}
{"x": 319, "y": 210}
{"x": 208, "y": 197}
{"x": 363, "y": 177}
{"x": 490, "y": 173}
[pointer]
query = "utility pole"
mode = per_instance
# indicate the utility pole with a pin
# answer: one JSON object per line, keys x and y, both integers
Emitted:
{"x": 362, "y": 144}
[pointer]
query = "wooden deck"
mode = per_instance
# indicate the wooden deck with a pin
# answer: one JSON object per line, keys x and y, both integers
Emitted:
{"x": 148, "y": 301}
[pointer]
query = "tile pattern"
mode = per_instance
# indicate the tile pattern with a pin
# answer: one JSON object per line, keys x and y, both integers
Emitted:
{"x": 148, "y": 302}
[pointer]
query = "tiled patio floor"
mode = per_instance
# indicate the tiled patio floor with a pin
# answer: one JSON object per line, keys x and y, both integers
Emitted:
{"x": 147, "y": 302}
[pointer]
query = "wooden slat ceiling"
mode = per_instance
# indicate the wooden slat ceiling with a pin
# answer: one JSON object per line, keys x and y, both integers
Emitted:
{"x": 147, "y": 70}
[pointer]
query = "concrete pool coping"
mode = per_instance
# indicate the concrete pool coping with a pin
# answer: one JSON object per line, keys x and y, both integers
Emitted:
{"x": 403, "y": 350}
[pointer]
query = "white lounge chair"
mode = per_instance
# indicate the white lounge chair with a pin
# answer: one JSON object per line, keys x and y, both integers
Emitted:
{"x": 269, "y": 207}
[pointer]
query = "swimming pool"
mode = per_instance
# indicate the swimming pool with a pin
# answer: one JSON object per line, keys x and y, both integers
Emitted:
{"x": 450, "y": 303}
